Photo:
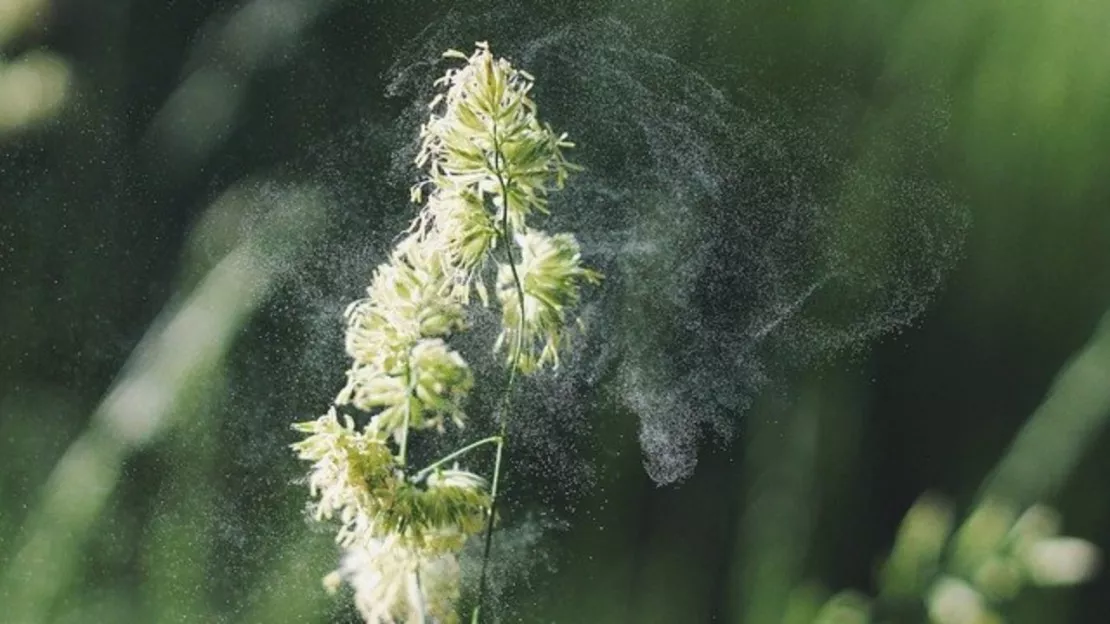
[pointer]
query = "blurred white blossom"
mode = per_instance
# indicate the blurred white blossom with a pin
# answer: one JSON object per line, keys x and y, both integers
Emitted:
{"x": 1061, "y": 561}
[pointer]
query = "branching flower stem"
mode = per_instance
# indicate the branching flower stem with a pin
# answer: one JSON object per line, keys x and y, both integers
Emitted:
{"x": 402, "y": 530}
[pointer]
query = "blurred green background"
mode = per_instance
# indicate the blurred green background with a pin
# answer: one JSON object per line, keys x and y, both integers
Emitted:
{"x": 153, "y": 213}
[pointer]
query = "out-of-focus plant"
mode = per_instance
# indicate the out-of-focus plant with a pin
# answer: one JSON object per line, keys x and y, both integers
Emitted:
{"x": 962, "y": 576}
{"x": 1008, "y": 542}
{"x": 491, "y": 165}
{"x": 169, "y": 376}
{"x": 33, "y": 86}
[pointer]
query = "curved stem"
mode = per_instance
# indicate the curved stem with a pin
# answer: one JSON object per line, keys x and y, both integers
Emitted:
{"x": 425, "y": 471}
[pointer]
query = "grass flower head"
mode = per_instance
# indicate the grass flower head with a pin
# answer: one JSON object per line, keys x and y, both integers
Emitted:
{"x": 491, "y": 165}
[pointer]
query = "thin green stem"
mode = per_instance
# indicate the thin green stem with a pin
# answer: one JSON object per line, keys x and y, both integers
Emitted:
{"x": 514, "y": 361}
{"x": 424, "y": 472}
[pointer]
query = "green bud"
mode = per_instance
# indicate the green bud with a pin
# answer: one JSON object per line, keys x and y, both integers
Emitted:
{"x": 847, "y": 607}
{"x": 981, "y": 535}
{"x": 999, "y": 578}
{"x": 918, "y": 547}
{"x": 1035, "y": 524}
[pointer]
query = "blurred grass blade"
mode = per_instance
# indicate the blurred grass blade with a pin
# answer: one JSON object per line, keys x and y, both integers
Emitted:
{"x": 1055, "y": 437}
{"x": 777, "y": 525}
{"x": 177, "y": 360}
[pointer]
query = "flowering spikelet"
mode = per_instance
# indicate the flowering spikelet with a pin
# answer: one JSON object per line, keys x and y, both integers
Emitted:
{"x": 407, "y": 300}
{"x": 467, "y": 233}
{"x": 430, "y": 386}
{"x": 394, "y": 583}
{"x": 550, "y": 273}
{"x": 488, "y": 137}
{"x": 352, "y": 474}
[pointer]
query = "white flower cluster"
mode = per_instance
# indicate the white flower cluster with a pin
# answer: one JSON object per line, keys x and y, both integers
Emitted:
{"x": 488, "y": 147}
{"x": 491, "y": 165}
{"x": 966, "y": 575}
